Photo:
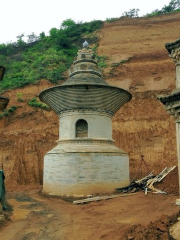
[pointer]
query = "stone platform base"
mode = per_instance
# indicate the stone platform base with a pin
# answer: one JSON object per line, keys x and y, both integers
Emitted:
{"x": 85, "y": 168}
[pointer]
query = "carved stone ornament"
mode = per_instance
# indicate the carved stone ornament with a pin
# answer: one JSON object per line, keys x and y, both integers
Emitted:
{"x": 175, "y": 55}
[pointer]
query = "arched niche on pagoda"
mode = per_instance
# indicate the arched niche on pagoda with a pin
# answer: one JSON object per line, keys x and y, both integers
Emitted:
{"x": 81, "y": 128}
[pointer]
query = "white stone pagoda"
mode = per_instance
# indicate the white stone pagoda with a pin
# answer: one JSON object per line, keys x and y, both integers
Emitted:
{"x": 85, "y": 160}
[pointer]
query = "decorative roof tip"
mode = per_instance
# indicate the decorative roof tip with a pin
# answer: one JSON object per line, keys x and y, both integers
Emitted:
{"x": 85, "y": 44}
{"x": 173, "y": 45}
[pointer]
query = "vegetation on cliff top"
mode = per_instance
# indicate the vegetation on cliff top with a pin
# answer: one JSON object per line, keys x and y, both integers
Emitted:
{"x": 44, "y": 57}
{"x": 173, "y": 6}
{"x": 48, "y": 57}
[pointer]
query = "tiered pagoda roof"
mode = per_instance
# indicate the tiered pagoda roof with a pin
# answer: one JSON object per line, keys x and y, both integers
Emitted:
{"x": 85, "y": 89}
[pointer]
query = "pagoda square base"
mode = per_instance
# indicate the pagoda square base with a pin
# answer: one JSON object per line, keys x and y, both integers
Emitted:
{"x": 83, "y": 169}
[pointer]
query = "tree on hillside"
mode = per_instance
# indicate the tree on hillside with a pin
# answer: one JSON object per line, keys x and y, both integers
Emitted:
{"x": 42, "y": 35}
{"x": 53, "y": 32}
{"x": 20, "y": 42}
{"x": 32, "y": 38}
{"x": 131, "y": 13}
{"x": 68, "y": 23}
{"x": 173, "y": 5}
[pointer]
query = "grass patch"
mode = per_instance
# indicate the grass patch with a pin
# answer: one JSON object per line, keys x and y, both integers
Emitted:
{"x": 7, "y": 112}
{"x": 35, "y": 103}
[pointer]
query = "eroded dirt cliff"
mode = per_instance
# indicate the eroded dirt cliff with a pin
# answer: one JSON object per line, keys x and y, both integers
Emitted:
{"x": 138, "y": 61}
{"x": 142, "y": 127}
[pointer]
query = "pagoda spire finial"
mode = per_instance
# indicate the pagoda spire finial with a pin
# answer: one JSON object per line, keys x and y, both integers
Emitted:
{"x": 85, "y": 44}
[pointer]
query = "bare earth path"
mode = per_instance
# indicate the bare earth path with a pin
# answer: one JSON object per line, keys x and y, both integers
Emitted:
{"x": 36, "y": 217}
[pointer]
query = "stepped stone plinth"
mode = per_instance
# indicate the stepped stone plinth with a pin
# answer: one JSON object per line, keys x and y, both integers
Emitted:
{"x": 85, "y": 160}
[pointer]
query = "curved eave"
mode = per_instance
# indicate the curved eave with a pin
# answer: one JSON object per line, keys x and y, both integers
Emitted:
{"x": 173, "y": 97}
{"x": 69, "y": 97}
{"x": 172, "y": 46}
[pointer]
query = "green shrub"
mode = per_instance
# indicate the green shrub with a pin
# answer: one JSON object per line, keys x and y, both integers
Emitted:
{"x": 131, "y": 13}
{"x": 6, "y": 113}
{"x": 111, "y": 19}
{"x": 12, "y": 109}
{"x": 101, "y": 61}
{"x": 20, "y": 97}
{"x": 35, "y": 103}
{"x": 119, "y": 63}
{"x": 173, "y": 6}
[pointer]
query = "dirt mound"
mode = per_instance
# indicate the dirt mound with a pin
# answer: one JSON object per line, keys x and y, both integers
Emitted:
{"x": 170, "y": 183}
{"x": 155, "y": 230}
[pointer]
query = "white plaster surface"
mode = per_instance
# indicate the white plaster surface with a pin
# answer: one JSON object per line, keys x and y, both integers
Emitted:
{"x": 99, "y": 124}
{"x": 177, "y": 75}
{"x": 84, "y": 173}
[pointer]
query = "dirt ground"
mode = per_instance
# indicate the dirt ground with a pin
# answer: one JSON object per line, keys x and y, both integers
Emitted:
{"x": 32, "y": 216}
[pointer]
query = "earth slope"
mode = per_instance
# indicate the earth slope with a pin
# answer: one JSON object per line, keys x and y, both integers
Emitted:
{"x": 138, "y": 61}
